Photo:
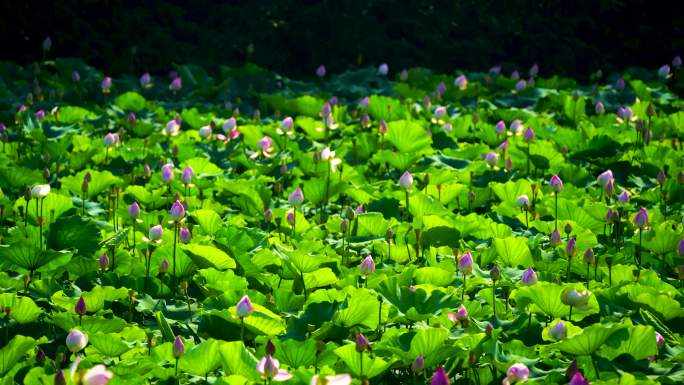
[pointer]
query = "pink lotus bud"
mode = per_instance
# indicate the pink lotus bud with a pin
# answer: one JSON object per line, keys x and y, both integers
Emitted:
{"x": 383, "y": 69}
{"x": 660, "y": 340}
{"x": 604, "y": 177}
{"x": 589, "y": 256}
{"x": 500, "y": 127}
{"x": 97, "y": 375}
{"x": 558, "y": 331}
{"x": 578, "y": 379}
{"x": 104, "y": 262}
{"x": 287, "y": 124}
{"x": 134, "y": 210}
{"x": 164, "y": 266}
{"x": 146, "y": 80}
{"x": 76, "y": 341}
{"x": 461, "y": 82}
{"x": 229, "y": 124}
{"x": 516, "y": 126}
{"x": 361, "y": 343}
{"x": 599, "y": 108}
{"x": 661, "y": 177}
{"x": 610, "y": 216}
{"x": 418, "y": 364}
{"x": 367, "y": 266}
{"x": 680, "y": 248}
{"x": 403, "y": 76}
{"x": 447, "y": 127}
{"x": 465, "y": 263}
{"x": 534, "y": 70}
{"x": 610, "y": 187}
{"x": 620, "y": 84}
{"x": 59, "y": 378}
{"x": 529, "y": 277}
{"x": 528, "y": 135}
{"x": 677, "y": 62}
{"x": 517, "y": 373}
{"x": 244, "y": 307}
{"x": 290, "y": 218}
{"x": 520, "y": 85}
{"x": 439, "y": 377}
{"x": 556, "y": 184}
{"x": 664, "y": 71}
{"x": 427, "y": 102}
{"x": 172, "y": 127}
{"x": 40, "y": 114}
{"x": 641, "y": 218}
{"x": 522, "y": 201}
{"x": 167, "y": 173}
{"x": 495, "y": 70}
{"x": 573, "y": 297}
{"x": 555, "y": 238}
{"x": 177, "y": 211}
{"x": 296, "y": 197}
{"x": 81, "y": 307}
{"x": 326, "y": 110}
{"x": 205, "y": 132}
{"x": 623, "y": 197}
{"x": 184, "y": 235}
{"x": 147, "y": 171}
{"x": 187, "y": 175}
{"x": 176, "y": 84}
{"x": 406, "y": 180}
{"x": 492, "y": 158}
{"x": 515, "y": 75}
{"x": 110, "y": 139}
{"x": 320, "y": 71}
{"x": 178, "y": 348}
{"x": 106, "y": 84}
{"x": 503, "y": 146}
{"x": 441, "y": 88}
{"x": 571, "y": 247}
{"x": 75, "y": 76}
{"x": 47, "y": 44}
{"x": 156, "y": 233}
{"x": 382, "y": 127}
{"x": 440, "y": 112}
{"x": 359, "y": 209}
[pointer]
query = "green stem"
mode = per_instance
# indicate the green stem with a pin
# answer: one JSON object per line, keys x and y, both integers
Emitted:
{"x": 494, "y": 298}
{"x": 567, "y": 274}
{"x": 361, "y": 364}
{"x": 588, "y": 266}
{"x": 175, "y": 241}
{"x": 242, "y": 329}
{"x": 464, "y": 287}
{"x": 570, "y": 315}
{"x": 556, "y": 195}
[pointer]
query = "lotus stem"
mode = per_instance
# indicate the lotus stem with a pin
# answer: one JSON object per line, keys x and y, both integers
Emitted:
{"x": 242, "y": 329}
{"x": 556, "y": 195}
{"x": 175, "y": 241}
{"x": 570, "y": 315}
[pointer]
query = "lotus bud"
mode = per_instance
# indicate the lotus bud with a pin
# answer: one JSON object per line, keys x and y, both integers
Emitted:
{"x": 268, "y": 215}
{"x": 571, "y": 247}
{"x": 515, "y": 75}
{"x": 500, "y": 127}
{"x": 80, "y": 307}
{"x": 558, "y": 331}
{"x": 492, "y": 158}
{"x": 520, "y": 85}
{"x": 361, "y": 343}
{"x": 623, "y": 197}
{"x": 40, "y": 191}
{"x": 418, "y": 365}
{"x": 495, "y": 273}
{"x": 471, "y": 196}
{"x": 534, "y": 70}
{"x": 290, "y": 218}
{"x": 177, "y": 211}
{"x": 205, "y": 132}
{"x": 146, "y": 80}
{"x": 104, "y": 262}
{"x": 164, "y": 266}
{"x": 465, "y": 263}
{"x": 517, "y": 373}
{"x": 244, "y": 307}
{"x": 641, "y": 218}
{"x": 680, "y": 248}
{"x": 97, "y": 375}
{"x": 578, "y": 379}
{"x": 660, "y": 340}
{"x": 610, "y": 188}
{"x": 75, "y": 76}
{"x": 677, "y": 62}
{"x": 599, "y": 108}
{"x": 427, "y": 102}
{"x": 167, "y": 173}
{"x": 664, "y": 71}
{"x": 344, "y": 226}
{"x": 523, "y": 201}
{"x": 134, "y": 210}
{"x": 589, "y": 256}
{"x": 176, "y": 84}
{"x": 440, "y": 377}
{"x": 229, "y": 125}
{"x": 568, "y": 228}
{"x": 447, "y": 127}
{"x": 529, "y": 277}
{"x": 178, "y": 348}
{"x": 320, "y": 71}
{"x": 76, "y": 340}
{"x": 556, "y": 184}
{"x": 403, "y": 76}
{"x": 406, "y": 180}
{"x": 461, "y": 82}
{"x": 367, "y": 266}
{"x": 495, "y": 70}
{"x": 555, "y": 238}
{"x": 661, "y": 177}
{"x": 604, "y": 177}
{"x": 184, "y": 235}
{"x": 440, "y": 112}
{"x": 389, "y": 235}
{"x": 441, "y": 88}
{"x": 187, "y": 175}
{"x": 382, "y": 127}
{"x": 110, "y": 139}
{"x": 59, "y": 378}
{"x": 106, "y": 84}
{"x": 620, "y": 84}
{"x": 529, "y": 135}
{"x": 383, "y": 69}
{"x": 578, "y": 299}
{"x": 40, "y": 356}
{"x": 156, "y": 233}
{"x": 296, "y": 198}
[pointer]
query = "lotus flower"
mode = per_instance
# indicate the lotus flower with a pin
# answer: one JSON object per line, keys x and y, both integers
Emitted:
{"x": 244, "y": 307}
{"x": 177, "y": 211}
{"x": 167, "y": 173}
{"x": 447, "y": 127}
{"x": 320, "y": 71}
{"x": 406, "y": 180}
{"x": 610, "y": 187}
{"x": 520, "y": 85}
{"x": 40, "y": 191}
{"x": 184, "y": 235}
{"x": 296, "y": 198}
{"x": 664, "y": 71}
{"x": 367, "y": 266}
{"x": 460, "y": 315}
{"x": 641, "y": 218}
{"x": 146, "y": 80}
{"x": 605, "y": 177}
{"x": 461, "y": 82}
{"x": 172, "y": 127}
{"x": 517, "y": 373}
{"x": 205, "y": 132}
{"x": 269, "y": 368}
{"x": 361, "y": 343}
{"x": 441, "y": 88}
{"x": 156, "y": 233}
{"x": 677, "y": 62}
{"x": 439, "y": 377}
{"x": 660, "y": 340}
{"x": 134, "y": 210}
{"x": 106, "y": 84}
{"x": 187, "y": 175}
{"x": 571, "y": 247}
{"x": 80, "y": 307}
{"x": 589, "y": 256}
{"x": 266, "y": 148}
{"x": 575, "y": 298}
{"x": 680, "y": 248}
{"x": 418, "y": 364}
{"x": 492, "y": 158}
{"x": 340, "y": 379}
{"x": 75, "y": 76}
{"x": 620, "y": 84}
{"x": 97, "y": 375}
{"x": 382, "y": 127}
{"x": 555, "y": 238}
{"x": 59, "y": 378}
{"x": 599, "y": 108}
{"x": 558, "y": 331}
{"x": 465, "y": 263}
{"x": 529, "y": 277}
{"x": 176, "y": 84}
{"x": 500, "y": 127}
{"x": 164, "y": 266}
{"x": 103, "y": 261}
{"x": 610, "y": 216}
{"x": 523, "y": 201}
{"x": 440, "y": 112}
{"x": 328, "y": 155}
{"x": 76, "y": 340}
{"x": 578, "y": 379}
{"x": 383, "y": 69}
{"x": 111, "y": 139}
{"x": 528, "y": 135}
{"x": 534, "y": 70}
{"x": 516, "y": 126}
{"x": 556, "y": 184}
{"x": 623, "y": 197}
{"x": 178, "y": 348}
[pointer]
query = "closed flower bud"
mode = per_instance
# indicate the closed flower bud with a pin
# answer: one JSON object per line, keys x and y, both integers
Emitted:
{"x": 441, "y": 88}
{"x": 465, "y": 263}
{"x": 660, "y": 340}
{"x": 403, "y": 76}
{"x": 427, "y": 102}
{"x": 556, "y": 184}
{"x": 75, "y": 76}
{"x": 176, "y": 84}
{"x": 605, "y": 177}
{"x": 664, "y": 71}
{"x": 523, "y": 201}
{"x": 146, "y": 80}
{"x": 244, "y": 307}
{"x": 167, "y": 173}
{"x": 268, "y": 215}
{"x": 290, "y": 218}
{"x": 344, "y": 226}
{"x": 205, "y": 132}
{"x": 406, "y": 180}
{"x": 500, "y": 127}
{"x": 229, "y": 125}
{"x": 40, "y": 356}
{"x": 620, "y": 84}
{"x": 106, "y": 84}
{"x": 529, "y": 277}
{"x": 520, "y": 85}
{"x": 573, "y": 297}
{"x": 80, "y": 307}
{"x": 677, "y": 62}
{"x": 589, "y": 256}
{"x": 367, "y": 266}
{"x": 320, "y": 71}
{"x": 382, "y": 127}
{"x": 134, "y": 210}
{"x": 461, "y": 82}
{"x": 440, "y": 112}
{"x": 184, "y": 235}
{"x": 439, "y": 377}
{"x": 383, "y": 69}
{"x": 517, "y": 373}
{"x": 59, "y": 378}
{"x": 492, "y": 158}
{"x": 641, "y": 218}
{"x": 361, "y": 343}
{"x": 177, "y": 211}
{"x": 555, "y": 238}
{"x": 296, "y": 198}
{"x": 40, "y": 191}
{"x": 495, "y": 273}
{"x": 516, "y": 126}
{"x": 599, "y": 108}
{"x": 568, "y": 228}
{"x": 187, "y": 175}
{"x": 164, "y": 266}
{"x": 558, "y": 331}
{"x": 111, "y": 139}
{"x": 623, "y": 197}
{"x": 178, "y": 348}
{"x": 156, "y": 233}
{"x": 76, "y": 340}
{"x": 661, "y": 177}
{"x": 418, "y": 364}
{"x": 97, "y": 375}
{"x": 515, "y": 75}
{"x": 103, "y": 261}
{"x": 534, "y": 70}
{"x": 529, "y": 134}
{"x": 680, "y": 248}
{"x": 389, "y": 235}
{"x": 578, "y": 379}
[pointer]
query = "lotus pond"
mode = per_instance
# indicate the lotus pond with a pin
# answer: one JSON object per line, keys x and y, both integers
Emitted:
{"x": 369, "y": 227}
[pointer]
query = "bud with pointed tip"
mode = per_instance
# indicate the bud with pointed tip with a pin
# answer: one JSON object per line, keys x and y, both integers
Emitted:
{"x": 75, "y": 76}
{"x": 382, "y": 127}
{"x": 406, "y": 180}
{"x": 660, "y": 340}
{"x": 76, "y": 340}
{"x": 40, "y": 356}
{"x": 106, "y": 84}
{"x": 81, "y": 308}
{"x": 599, "y": 108}
{"x": 529, "y": 277}
{"x": 164, "y": 266}
{"x": 176, "y": 84}
{"x": 296, "y": 198}
{"x": 187, "y": 175}
{"x": 558, "y": 331}
{"x": 367, "y": 266}
{"x": 461, "y": 82}
{"x": 177, "y": 211}
{"x": 556, "y": 184}
{"x": 134, "y": 210}
{"x": 623, "y": 197}
{"x": 156, "y": 233}
{"x": 555, "y": 238}
{"x": 495, "y": 273}
{"x": 344, "y": 226}
{"x": 40, "y": 191}
{"x": 500, "y": 127}
{"x": 383, "y": 69}
{"x": 465, "y": 263}
{"x": 178, "y": 348}
{"x": 103, "y": 261}
{"x": 290, "y": 218}
{"x": 620, "y": 84}
{"x": 517, "y": 373}
{"x": 441, "y": 89}
{"x": 677, "y": 62}
{"x": 661, "y": 177}
{"x": 320, "y": 71}
{"x": 184, "y": 235}
{"x": 528, "y": 135}
{"x": 492, "y": 158}
{"x": 268, "y": 215}
{"x": 418, "y": 364}
{"x": 146, "y": 80}
{"x": 664, "y": 71}
{"x": 523, "y": 201}
{"x": 361, "y": 343}
{"x": 605, "y": 177}
{"x": 439, "y": 377}
{"x": 244, "y": 307}
{"x": 680, "y": 248}
{"x": 578, "y": 379}
{"x": 167, "y": 173}
{"x": 568, "y": 228}
{"x": 641, "y": 218}
{"x": 516, "y": 126}
{"x": 440, "y": 112}
{"x": 59, "y": 378}
{"x": 589, "y": 256}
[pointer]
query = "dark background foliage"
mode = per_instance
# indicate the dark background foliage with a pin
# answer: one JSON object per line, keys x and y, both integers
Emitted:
{"x": 293, "y": 37}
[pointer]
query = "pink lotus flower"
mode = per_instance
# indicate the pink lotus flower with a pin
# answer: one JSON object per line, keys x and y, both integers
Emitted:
{"x": 460, "y": 315}
{"x": 178, "y": 348}
{"x": 266, "y": 148}
{"x": 660, "y": 340}
{"x": 103, "y": 261}
{"x": 146, "y": 80}
{"x": 500, "y": 127}
{"x": 269, "y": 369}
{"x": 528, "y": 135}
{"x": 111, "y": 139}
{"x": 177, "y": 211}
{"x": 556, "y": 184}
{"x": 134, "y": 210}
{"x": 156, "y": 233}
{"x": 187, "y": 175}
{"x": 106, "y": 84}
{"x": 97, "y": 375}
{"x": 641, "y": 219}
{"x": 76, "y": 340}
{"x": 320, "y": 71}
{"x": 172, "y": 128}
{"x": 81, "y": 307}
{"x": 465, "y": 263}
{"x": 184, "y": 235}
{"x": 439, "y": 377}
{"x": 558, "y": 331}
{"x": 604, "y": 177}
{"x": 599, "y": 108}
{"x": 244, "y": 307}
{"x": 461, "y": 82}
{"x": 406, "y": 180}
{"x": 517, "y": 373}
{"x": 367, "y": 266}
{"x": 176, "y": 84}
{"x": 205, "y": 132}
{"x": 441, "y": 88}
{"x": 296, "y": 198}
{"x": 340, "y": 379}
{"x": 383, "y": 69}
{"x": 40, "y": 114}
{"x": 492, "y": 158}
{"x": 529, "y": 277}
